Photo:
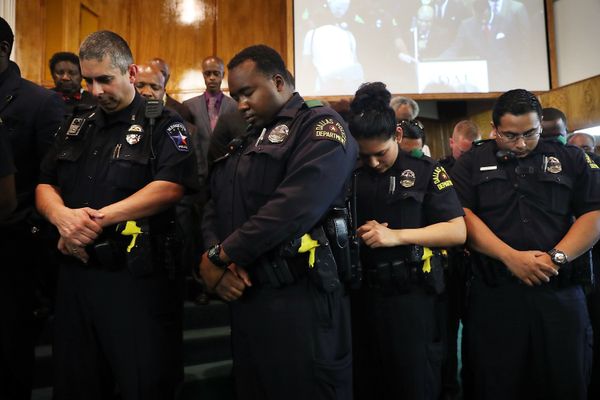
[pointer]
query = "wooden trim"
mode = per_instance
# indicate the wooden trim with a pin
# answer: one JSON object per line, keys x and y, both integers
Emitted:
{"x": 551, "y": 41}
{"x": 289, "y": 36}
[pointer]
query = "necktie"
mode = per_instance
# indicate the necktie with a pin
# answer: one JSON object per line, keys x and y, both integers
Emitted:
{"x": 213, "y": 114}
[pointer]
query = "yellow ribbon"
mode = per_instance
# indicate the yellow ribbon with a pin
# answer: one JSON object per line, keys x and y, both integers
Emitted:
{"x": 131, "y": 229}
{"x": 427, "y": 254}
{"x": 308, "y": 244}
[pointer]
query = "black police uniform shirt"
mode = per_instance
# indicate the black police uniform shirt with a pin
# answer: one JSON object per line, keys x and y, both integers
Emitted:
{"x": 281, "y": 182}
{"x": 6, "y": 161}
{"x": 30, "y": 116}
{"x": 530, "y": 202}
{"x": 448, "y": 163}
{"x": 412, "y": 193}
{"x": 104, "y": 158}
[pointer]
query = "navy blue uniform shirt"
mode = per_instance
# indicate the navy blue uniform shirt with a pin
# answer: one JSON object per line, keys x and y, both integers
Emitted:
{"x": 530, "y": 202}
{"x": 278, "y": 186}
{"x": 6, "y": 161}
{"x": 106, "y": 161}
{"x": 412, "y": 193}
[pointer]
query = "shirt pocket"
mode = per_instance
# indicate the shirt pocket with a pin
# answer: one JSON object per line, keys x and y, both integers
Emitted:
{"x": 409, "y": 205}
{"x": 68, "y": 168}
{"x": 128, "y": 168}
{"x": 267, "y": 168}
{"x": 557, "y": 190}
{"x": 493, "y": 189}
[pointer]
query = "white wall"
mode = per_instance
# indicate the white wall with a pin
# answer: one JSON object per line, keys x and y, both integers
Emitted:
{"x": 577, "y": 24}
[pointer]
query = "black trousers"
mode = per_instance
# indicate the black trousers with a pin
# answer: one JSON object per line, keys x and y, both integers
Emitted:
{"x": 114, "y": 330}
{"x": 16, "y": 316}
{"x": 291, "y": 343}
{"x": 398, "y": 344}
{"x": 526, "y": 342}
{"x": 594, "y": 309}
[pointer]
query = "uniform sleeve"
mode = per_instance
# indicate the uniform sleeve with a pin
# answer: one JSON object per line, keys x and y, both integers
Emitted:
{"x": 462, "y": 179}
{"x": 6, "y": 160}
{"x": 441, "y": 203}
{"x": 317, "y": 171}
{"x": 586, "y": 189}
{"x": 175, "y": 161}
{"x": 49, "y": 117}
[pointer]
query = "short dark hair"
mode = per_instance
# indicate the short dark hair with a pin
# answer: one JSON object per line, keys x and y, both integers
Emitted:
{"x": 551, "y": 114}
{"x": 516, "y": 102}
{"x": 412, "y": 129}
{"x": 99, "y": 44}
{"x": 63, "y": 56}
{"x": 268, "y": 61}
{"x": 6, "y": 33}
{"x": 371, "y": 116}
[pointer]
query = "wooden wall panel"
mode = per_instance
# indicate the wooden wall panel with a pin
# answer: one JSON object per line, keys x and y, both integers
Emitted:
{"x": 30, "y": 38}
{"x": 245, "y": 23}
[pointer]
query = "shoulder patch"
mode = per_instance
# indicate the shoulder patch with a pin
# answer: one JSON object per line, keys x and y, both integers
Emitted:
{"x": 591, "y": 163}
{"x": 179, "y": 136}
{"x": 330, "y": 129}
{"x": 441, "y": 179}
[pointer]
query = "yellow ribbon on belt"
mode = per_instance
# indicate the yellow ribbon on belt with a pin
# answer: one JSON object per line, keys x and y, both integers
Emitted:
{"x": 427, "y": 254}
{"x": 131, "y": 229}
{"x": 308, "y": 245}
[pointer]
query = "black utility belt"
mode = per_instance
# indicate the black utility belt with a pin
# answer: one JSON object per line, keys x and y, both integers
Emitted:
{"x": 398, "y": 276}
{"x": 279, "y": 271}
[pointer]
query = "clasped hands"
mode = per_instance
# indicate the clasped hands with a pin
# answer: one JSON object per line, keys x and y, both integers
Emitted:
{"x": 78, "y": 228}
{"x": 228, "y": 283}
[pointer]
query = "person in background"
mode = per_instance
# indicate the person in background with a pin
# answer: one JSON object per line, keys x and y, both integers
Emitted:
{"x": 66, "y": 74}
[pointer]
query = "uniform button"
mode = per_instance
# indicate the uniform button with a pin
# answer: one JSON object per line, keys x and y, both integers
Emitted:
{"x": 90, "y": 177}
{"x": 95, "y": 152}
{"x": 516, "y": 185}
{"x": 525, "y": 220}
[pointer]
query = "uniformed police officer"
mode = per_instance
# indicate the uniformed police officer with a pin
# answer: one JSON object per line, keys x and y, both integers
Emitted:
{"x": 270, "y": 196}
{"x": 527, "y": 330}
{"x": 406, "y": 206}
{"x": 29, "y": 117}
{"x": 109, "y": 186}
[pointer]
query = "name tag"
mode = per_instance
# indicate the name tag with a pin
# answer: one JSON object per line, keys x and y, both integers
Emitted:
{"x": 489, "y": 168}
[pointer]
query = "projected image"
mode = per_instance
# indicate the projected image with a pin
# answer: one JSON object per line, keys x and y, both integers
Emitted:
{"x": 420, "y": 46}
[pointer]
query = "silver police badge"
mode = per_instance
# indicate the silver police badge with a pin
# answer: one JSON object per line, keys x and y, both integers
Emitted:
{"x": 553, "y": 165}
{"x": 278, "y": 134}
{"x": 135, "y": 134}
{"x": 407, "y": 178}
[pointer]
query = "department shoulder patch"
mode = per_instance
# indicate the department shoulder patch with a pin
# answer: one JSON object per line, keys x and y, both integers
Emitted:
{"x": 330, "y": 129}
{"x": 441, "y": 179}
{"x": 591, "y": 163}
{"x": 179, "y": 136}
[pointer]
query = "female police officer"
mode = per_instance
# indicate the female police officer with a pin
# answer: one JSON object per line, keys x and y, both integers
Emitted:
{"x": 406, "y": 206}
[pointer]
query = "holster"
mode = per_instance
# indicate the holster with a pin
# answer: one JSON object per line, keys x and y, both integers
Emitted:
{"x": 344, "y": 246}
{"x": 324, "y": 274}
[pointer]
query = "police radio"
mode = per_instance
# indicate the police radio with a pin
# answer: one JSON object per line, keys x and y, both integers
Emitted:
{"x": 153, "y": 110}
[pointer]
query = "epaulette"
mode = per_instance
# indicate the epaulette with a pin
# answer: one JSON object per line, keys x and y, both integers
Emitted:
{"x": 83, "y": 108}
{"x": 481, "y": 141}
{"x": 313, "y": 103}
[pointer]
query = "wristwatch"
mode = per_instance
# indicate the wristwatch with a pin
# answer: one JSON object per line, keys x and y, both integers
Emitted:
{"x": 558, "y": 257}
{"x": 214, "y": 255}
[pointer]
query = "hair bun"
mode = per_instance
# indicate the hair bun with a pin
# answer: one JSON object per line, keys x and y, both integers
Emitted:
{"x": 371, "y": 97}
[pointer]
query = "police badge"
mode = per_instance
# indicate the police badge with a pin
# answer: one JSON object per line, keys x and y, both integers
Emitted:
{"x": 278, "y": 134}
{"x": 135, "y": 134}
{"x": 553, "y": 166}
{"x": 407, "y": 178}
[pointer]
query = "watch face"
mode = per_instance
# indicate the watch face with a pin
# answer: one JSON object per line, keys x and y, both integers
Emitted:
{"x": 214, "y": 251}
{"x": 560, "y": 258}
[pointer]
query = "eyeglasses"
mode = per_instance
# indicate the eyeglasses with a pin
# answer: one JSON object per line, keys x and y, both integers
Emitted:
{"x": 513, "y": 137}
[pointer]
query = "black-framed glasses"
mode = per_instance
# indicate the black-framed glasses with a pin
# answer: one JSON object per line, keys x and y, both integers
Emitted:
{"x": 513, "y": 137}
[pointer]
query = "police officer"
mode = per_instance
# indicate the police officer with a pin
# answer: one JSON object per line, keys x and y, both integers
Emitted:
{"x": 527, "y": 330}
{"x": 29, "y": 117}
{"x": 406, "y": 206}
{"x": 109, "y": 186}
{"x": 271, "y": 193}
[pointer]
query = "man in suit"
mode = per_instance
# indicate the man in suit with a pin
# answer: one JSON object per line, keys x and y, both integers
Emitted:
{"x": 208, "y": 107}
{"x": 170, "y": 102}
